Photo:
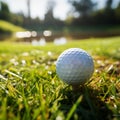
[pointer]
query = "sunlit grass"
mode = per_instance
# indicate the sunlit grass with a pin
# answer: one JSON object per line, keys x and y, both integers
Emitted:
{"x": 30, "y": 88}
{"x": 8, "y": 27}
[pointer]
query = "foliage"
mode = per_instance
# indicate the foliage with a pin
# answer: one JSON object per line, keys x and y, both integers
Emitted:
{"x": 4, "y": 12}
{"x": 109, "y": 4}
{"x": 117, "y": 15}
{"x": 83, "y": 7}
{"x": 6, "y": 15}
{"x": 17, "y": 19}
{"x": 31, "y": 90}
{"x": 89, "y": 15}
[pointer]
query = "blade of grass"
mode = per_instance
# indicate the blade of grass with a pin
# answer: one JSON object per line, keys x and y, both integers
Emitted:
{"x": 42, "y": 109}
{"x": 72, "y": 110}
{"x": 13, "y": 74}
{"x": 2, "y": 77}
{"x": 3, "y": 113}
{"x": 90, "y": 103}
{"x": 27, "y": 109}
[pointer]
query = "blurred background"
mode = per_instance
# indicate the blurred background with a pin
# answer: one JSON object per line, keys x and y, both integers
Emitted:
{"x": 48, "y": 20}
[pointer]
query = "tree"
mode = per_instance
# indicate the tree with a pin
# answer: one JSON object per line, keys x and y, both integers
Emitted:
{"x": 117, "y": 14}
{"x": 109, "y": 4}
{"x": 109, "y": 14}
{"x": 49, "y": 18}
{"x": 5, "y": 12}
{"x": 49, "y": 14}
{"x": 28, "y": 6}
{"x": 83, "y": 7}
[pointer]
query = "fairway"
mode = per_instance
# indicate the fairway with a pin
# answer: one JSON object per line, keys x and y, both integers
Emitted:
{"x": 31, "y": 90}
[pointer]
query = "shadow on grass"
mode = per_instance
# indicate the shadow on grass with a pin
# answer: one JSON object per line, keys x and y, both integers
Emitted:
{"x": 90, "y": 108}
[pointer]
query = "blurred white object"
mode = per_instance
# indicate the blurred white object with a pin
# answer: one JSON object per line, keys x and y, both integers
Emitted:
{"x": 47, "y": 33}
{"x": 42, "y": 42}
{"x": 33, "y": 33}
{"x": 25, "y": 34}
{"x": 34, "y": 42}
{"x": 60, "y": 41}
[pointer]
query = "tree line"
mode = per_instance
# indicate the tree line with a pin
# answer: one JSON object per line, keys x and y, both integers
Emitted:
{"x": 88, "y": 16}
{"x": 84, "y": 14}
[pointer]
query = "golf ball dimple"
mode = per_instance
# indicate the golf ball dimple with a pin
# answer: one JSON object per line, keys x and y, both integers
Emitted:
{"x": 74, "y": 66}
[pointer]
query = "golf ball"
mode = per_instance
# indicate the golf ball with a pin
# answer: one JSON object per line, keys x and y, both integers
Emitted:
{"x": 75, "y": 66}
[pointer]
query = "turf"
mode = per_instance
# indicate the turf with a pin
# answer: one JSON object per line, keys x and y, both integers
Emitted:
{"x": 9, "y": 27}
{"x": 31, "y": 90}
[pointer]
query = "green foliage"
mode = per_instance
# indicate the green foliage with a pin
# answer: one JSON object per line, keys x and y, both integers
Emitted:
{"x": 90, "y": 16}
{"x": 6, "y": 15}
{"x": 109, "y": 4}
{"x": 31, "y": 90}
{"x": 117, "y": 15}
{"x": 83, "y": 7}
{"x": 87, "y": 15}
{"x": 4, "y": 12}
{"x": 17, "y": 19}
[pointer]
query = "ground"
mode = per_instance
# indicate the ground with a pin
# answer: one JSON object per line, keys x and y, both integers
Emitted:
{"x": 30, "y": 88}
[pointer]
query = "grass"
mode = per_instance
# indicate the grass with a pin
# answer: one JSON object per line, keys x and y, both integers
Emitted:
{"x": 31, "y": 90}
{"x": 8, "y": 27}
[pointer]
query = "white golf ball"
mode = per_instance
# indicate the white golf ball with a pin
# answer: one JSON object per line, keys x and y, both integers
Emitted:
{"x": 74, "y": 66}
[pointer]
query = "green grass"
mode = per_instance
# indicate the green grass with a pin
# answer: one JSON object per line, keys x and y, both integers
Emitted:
{"x": 8, "y": 27}
{"x": 31, "y": 90}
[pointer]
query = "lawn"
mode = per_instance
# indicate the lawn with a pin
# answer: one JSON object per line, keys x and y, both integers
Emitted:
{"x": 9, "y": 27}
{"x": 31, "y": 90}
